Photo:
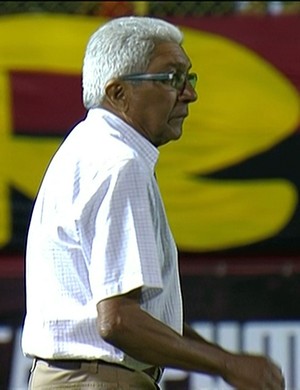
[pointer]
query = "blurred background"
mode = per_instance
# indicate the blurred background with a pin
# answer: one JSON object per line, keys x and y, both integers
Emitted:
{"x": 231, "y": 184}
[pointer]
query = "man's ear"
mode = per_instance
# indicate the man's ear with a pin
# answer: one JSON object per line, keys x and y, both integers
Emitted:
{"x": 116, "y": 94}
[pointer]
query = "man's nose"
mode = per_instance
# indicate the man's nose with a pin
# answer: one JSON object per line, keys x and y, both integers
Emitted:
{"x": 188, "y": 94}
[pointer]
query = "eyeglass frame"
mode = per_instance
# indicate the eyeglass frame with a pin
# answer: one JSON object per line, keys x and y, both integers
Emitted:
{"x": 189, "y": 77}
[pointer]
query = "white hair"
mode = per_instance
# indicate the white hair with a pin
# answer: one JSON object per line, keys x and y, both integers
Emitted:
{"x": 121, "y": 46}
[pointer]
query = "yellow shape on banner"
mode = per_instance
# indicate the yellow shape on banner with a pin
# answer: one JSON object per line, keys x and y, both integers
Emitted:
{"x": 46, "y": 42}
{"x": 245, "y": 107}
{"x": 4, "y": 162}
{"x": 210, "y": 215}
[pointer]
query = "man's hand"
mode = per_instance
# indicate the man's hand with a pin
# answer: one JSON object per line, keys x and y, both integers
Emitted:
{"x": 251, "y": 372}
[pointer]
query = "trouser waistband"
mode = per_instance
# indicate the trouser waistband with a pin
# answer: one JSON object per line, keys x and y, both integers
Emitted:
{"x": 73, "y": 364}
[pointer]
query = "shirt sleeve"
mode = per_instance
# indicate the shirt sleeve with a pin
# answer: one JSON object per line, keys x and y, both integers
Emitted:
{"x": 122, "y": 234}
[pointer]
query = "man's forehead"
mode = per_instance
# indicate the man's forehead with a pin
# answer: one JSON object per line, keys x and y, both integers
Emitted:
{"x": 170, "y": 54}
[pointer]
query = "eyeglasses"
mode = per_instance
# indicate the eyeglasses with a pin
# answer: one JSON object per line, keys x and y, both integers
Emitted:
{"x": 176, "y": 80}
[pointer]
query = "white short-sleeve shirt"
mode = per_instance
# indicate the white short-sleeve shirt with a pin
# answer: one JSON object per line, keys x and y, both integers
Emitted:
{"x": 98, "y": 229}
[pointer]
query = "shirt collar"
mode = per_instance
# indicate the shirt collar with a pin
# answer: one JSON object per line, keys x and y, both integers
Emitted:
{"x": 133, "y": 138}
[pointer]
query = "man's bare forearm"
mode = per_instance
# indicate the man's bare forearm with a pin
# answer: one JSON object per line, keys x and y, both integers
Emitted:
{"x": 149, "y": 340}
{"x": 122, "y": 323}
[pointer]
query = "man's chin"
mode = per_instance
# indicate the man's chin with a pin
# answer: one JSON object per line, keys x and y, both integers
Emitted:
{"x": 177, "y": 131}
{"x": 176, "y": 126}
{"x": 177, "y": 136}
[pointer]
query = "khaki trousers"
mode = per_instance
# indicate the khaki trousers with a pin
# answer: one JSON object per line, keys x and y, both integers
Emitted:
{"x": 89, "y": 376}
